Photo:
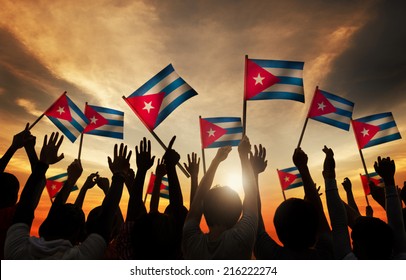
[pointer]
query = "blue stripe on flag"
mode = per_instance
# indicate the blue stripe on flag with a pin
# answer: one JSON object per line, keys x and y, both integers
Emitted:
{"x": 107, "y": 110}
{"x": 63, "y": 128}
{"x": 59, "y": 176}
{"x": 173, "y": 105}
{"x": 279, "y": 95}
{"x": 345, "y": 126}
{"x": 80, "y": 114}
{"x": 337, "y": 98}
{"x": 220, "y": 144}
{"x": 289, "y": 170}
{"x": 115, "y": 122}
{"x": 233, "y": 130}
{"x": 290, "y": 81}
{"x": 278, "y": 63}
{"x": 106, "y": 133}
{"x": 223, "y": 120}
{"x": 384, "y": 139}
{"x": 296, "y": 185}
{"x": 153, "y": 81}
{"x": 173, "y": 86}
{"x": 344, "y": 113}
{"x": 375, "y": 117}
{"x": 387, "y": 125}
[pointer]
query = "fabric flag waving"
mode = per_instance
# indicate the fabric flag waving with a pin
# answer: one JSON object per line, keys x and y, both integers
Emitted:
{"x": 164, "y": 189}
{"x": 221, "y": 131}
{"x": 375, "y": 129}
{"x": 375, "y": 178}
{"x": 331, "y": 109}
{"x": 104, "y": 122}
{"x": 290, "y": 178}
{"x": 274, "y": 79}
{"x": 67, "y": 117}
{"x": 55, "y": 183}
{"x": 159, "y": 96}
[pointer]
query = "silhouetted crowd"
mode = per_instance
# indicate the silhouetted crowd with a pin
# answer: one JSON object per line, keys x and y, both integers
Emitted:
{"x": 236, "y": 227}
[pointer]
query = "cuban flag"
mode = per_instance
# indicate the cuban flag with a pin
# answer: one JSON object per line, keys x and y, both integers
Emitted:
{"x": 289, "y": 178}
{"x": 104, "y": 122}
{"x": 375, "y": 129}
{"x": 375, "y": 178}
{"x": 274, "y": 79}
{"x": 159, "y": 96}
{"x": 55, "y": 183}
{"x": 220, "y": 132}
{"x": 331, "y": 109}
{"x": 164, "y": 188}
{"x": 67, "y": 117}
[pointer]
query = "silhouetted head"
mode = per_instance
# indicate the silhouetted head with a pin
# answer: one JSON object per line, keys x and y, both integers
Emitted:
{"x": 9, "y": 187}
{"x": 65, "y": 221}
{"x": 93, "y": 222}
{"x": 372, "y": 239}
{"x": 222, "y": 207}
{"x": 296, "y": 223}
{"x": 153, "y": 237}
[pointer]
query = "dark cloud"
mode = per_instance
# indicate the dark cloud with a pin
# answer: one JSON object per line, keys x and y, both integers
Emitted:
{"x": 22, "y": 76}
{"x": 372, "y": 70}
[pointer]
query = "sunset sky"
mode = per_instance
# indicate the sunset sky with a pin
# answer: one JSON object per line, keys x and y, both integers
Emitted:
{"x": 99, "y": 51}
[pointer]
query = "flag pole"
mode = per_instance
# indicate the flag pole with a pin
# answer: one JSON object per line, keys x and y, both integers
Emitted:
{"x": 284, "y": 197}
{"x": 203, "y": 154}
{"x": 80, "y": 146}
{"x": 156, "y": 138}
{"x": 366, "y": 171}
{"x": 307, "y": 119}
{"x": 244, "y": 104}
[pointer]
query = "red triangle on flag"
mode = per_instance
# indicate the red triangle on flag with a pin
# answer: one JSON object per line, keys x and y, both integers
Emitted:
{"x": 365, "y": 183}
{"x": 210, "y": 132}
{"x": 364, "y": 132}
{"x": 286, "y": 179}
{"x": 60, "y": 109}
{"x": 320, "y": 105}
{"x": 53, "y": 187}
{"x": 95, "y": 119}
{"x": 147, "y": 107}
{"x": 257, "y": 79}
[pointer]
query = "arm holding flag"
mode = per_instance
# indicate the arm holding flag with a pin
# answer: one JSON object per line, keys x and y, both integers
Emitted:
{"x": 347, "y": 185}
{"x": 74, "y": 171}
{"x": 385, "y": 167}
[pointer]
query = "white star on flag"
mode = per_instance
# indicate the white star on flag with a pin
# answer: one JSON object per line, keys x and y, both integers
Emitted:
{"x": 287, "y": 179}
{"x": 53, "y": 187}
{"x": 258, "y": 79}
{"x": 211, "y": 132}
{"x": 148, "y": 106}
{"x": 321, "y": 106}
{"x": 93, "y": 120}
{"x": 61, "y": 110}
{"x": 365, "y": 132}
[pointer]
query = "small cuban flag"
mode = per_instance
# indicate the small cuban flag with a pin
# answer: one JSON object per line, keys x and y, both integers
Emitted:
{"x": 104, "y": 121}
{"x": 274, "y": 79}
{"x": 375, "y": 178}
{"x": 164, "y": 188}
{"x": 220, "y": 131}
{"x": 159, "y": 96}
{"x": 289, "y": 178}
{"x": 55, "y": 183}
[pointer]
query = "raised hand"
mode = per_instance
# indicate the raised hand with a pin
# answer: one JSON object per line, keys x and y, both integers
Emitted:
{"x": 143, "y": 156}
{"x": 193, "y": 165}
{"x": 300, "y": 158}
{"x": 103, "y": 183}
{"x": 23, "y": 138}
{"x": 171, "y": 157}
{"x": 91, "y": 180}
{"x": 386, "y": 168}
{"x": 222, "y": 153}
{"x": 369, "y": 212}
{"x": 244, "y": 148}
{"x": 75, "y": 169}
{"x": 329, "y": 164}
{"x": 160, "y": 170}
{"x": 49, "y": 151}
{"x": 402, "y": 192}
{"x": 347, "y": 184}
{"x": 120, "y": 165}
{"x": 257, "y": 159}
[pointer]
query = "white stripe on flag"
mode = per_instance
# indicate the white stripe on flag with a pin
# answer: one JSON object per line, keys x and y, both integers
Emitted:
{"x": 173, "y": 95}
{"x": 284, "y": 88}
{"x": 285, "y": 72}
{"x": 163, "y": 83}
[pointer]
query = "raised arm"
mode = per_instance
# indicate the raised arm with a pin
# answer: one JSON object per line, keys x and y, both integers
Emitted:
{"x": 193, "y": 168}
{"x": 300, "y": 160}
{"x": 22, "y": 139}
{"x": 195, "y": 211}
{"x": 144, "y": 162}
{"x": 89, "y": 183}
{"x": 171, "y": 158}
{"x": 347, "y": 185}
{"x": 119, "y": 166}
{"x": 336, "y": 210}
{"x": 74, "y": 171}
{"x": 386, "y": 168}
{"x": 160, "y": 172}
{"x": 35, "y": 184}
